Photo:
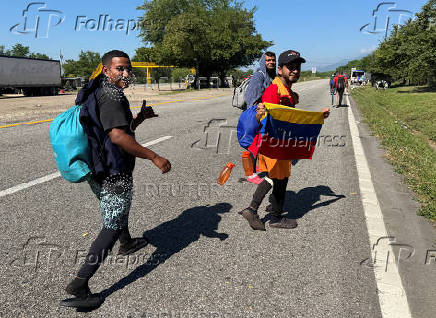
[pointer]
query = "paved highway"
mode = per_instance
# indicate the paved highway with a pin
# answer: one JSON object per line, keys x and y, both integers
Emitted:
{"x": 204, "y": 260}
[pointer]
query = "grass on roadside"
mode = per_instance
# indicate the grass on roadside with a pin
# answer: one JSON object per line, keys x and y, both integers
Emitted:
{"x": 388, "y": 113}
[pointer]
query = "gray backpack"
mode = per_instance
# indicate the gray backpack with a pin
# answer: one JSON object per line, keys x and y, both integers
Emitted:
{"x": 239, "y": 93}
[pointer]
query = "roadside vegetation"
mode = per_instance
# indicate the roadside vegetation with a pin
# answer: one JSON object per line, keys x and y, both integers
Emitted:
{"x": 403, "y": 119}
{"x": 407, "y": 56}
{"x": 308, "y": 76}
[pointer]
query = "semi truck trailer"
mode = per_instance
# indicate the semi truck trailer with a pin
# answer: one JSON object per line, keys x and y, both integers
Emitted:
{"x": 34, "y": 77}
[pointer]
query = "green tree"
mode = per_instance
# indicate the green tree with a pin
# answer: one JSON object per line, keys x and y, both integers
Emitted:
{"x": 239, "y": 75}
{"x": 408, "y": 54}
{"x": 84, "y": 66}
{"x": 19, "y": 50}
{"x": 144, "y": 54}
{"x": 178, "y": 73}
{"x": 39, "y": 56}
{"x": 214, "y": 36}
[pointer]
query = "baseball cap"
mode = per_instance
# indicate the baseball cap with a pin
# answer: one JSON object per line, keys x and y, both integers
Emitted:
{"x": 290, "y": 56}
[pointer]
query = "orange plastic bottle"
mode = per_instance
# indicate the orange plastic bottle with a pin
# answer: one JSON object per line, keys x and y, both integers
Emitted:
{"x": 225, "y": 173}
{"x": 247, "y": 163}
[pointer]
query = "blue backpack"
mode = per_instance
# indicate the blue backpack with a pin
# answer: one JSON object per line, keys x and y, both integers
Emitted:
{"x": 248, "y": 127}
{"x": 70, "y": 145}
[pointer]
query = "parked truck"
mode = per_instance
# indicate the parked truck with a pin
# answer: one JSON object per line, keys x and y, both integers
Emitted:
{"x": 34, "y": 77}
{"x": 357, "y": 76}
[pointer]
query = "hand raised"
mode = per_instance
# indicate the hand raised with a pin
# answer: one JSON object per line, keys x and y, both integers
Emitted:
{"x": 147, "y": 112}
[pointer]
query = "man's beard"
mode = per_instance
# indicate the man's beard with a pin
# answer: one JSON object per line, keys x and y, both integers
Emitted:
{"x": 271, "y": 72}
{"x": 294, "y": 79}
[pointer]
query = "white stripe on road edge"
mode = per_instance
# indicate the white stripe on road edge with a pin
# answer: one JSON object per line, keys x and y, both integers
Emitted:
{"x": 55, "y": 175}
{"x": 156, "y": 141}
{"x": 391, "y": 294}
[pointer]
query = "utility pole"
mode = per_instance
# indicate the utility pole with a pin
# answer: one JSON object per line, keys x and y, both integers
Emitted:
{"x": 61, "y": 57}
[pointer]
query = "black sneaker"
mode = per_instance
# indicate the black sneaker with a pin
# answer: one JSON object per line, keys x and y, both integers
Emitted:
{"x": 84, "y": 298}
{"x": 253, "y": 219}
{"x": 90, "y": 301}
{"x": 78, "y": 289}
{"x": 282, "y": 222}
{"x": 132, "y": 246}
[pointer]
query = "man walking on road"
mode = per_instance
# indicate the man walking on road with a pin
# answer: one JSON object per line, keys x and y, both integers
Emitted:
{"x": 110, "y": 125}
{"x": 279, "y": 92}
{"x": 261, "y": 79}
{"x": 341, "y": 82}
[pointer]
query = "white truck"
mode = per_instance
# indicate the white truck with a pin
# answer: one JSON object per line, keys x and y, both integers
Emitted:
{"x": 357, "y": 76}
{"x": 35, "y": 77}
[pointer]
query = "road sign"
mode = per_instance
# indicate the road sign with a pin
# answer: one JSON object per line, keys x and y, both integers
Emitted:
{"x": 313, "y": 70}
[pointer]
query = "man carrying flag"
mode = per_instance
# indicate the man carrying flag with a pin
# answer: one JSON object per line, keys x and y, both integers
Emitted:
{"x": 278, "y": 170}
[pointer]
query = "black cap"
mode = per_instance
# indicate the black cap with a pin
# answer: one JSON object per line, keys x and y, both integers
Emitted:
{"x": 290, "y": 56}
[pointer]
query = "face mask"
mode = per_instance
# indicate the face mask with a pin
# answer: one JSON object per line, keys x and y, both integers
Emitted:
{"x": 115, "y": 93}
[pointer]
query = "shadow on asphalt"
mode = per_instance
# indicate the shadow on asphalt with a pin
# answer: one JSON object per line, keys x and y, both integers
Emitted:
{"x": 343, "y": 105}
{"x": 302, "y": 202}
{"x": 173, "y": 236}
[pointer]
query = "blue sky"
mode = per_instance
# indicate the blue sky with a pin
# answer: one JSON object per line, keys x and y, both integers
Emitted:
{"x": 324, "y": 32}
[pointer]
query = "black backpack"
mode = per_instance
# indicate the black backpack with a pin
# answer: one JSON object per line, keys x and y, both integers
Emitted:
{"x": 341, "y": 83}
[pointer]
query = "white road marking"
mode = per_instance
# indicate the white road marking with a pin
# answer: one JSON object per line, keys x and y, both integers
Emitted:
{"x": 23, "y": 186}
{"x": 156, "y": 141}
{"x": 55, "y": 175}
{"x": 391, "y": 294}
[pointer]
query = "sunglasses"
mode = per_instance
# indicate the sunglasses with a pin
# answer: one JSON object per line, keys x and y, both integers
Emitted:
{"x": 293, "y": 66}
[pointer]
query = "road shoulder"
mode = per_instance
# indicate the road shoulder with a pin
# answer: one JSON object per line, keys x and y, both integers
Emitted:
{"x": 411, "y": 232}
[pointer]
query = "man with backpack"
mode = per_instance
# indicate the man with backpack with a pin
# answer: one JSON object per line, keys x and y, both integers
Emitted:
{"x": 341, "y": 82}
{"x": 279, "y": 92}
{"x": 332, "y": 86}
{"x": 109, "y": 124}
{"x": 261, "y": 79}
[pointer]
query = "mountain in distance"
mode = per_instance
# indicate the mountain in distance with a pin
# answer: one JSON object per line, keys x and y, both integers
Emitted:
{"x": 331, "y": 67}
